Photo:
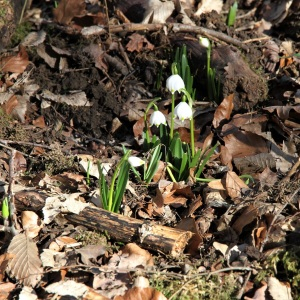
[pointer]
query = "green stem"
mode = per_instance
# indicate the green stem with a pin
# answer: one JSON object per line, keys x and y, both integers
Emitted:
{"x": 192, "y": 133}
{"x": 172, "y": 116}
{"x": 171, "y": 174}
{"x": 113, "y": 180}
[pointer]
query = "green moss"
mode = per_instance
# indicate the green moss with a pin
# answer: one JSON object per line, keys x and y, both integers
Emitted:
{"x": 20, "y": 33}
{"x": 215, "y": 288}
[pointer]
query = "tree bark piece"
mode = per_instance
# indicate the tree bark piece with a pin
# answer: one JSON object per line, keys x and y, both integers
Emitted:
{"x": 149, "y": 235}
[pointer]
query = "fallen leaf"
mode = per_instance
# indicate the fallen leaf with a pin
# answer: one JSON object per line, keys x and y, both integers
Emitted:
{"x": 137, "y": 293}
{"x": 67, "y": 10}
{"x": 26, "y": 264}
{"x": 248, "y": 215}
{"x": 206, "y": 6}
{"x": 223, "y": 111}
{"x": 260, "y": 294}
{"x": 15, "y": 63}
{"x": 90, "y": 252}
{"x": 138, "y": 43}
{"x": 67, "y": 288}
{"x": 31, "y": 223}
{"x": 278, "y": 290}
{"x": 234, "y": 184}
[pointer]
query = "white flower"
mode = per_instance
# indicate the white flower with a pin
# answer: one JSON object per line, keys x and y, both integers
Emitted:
{"x": 205, "y": 42}
{"x": 157, "y": 118}
{"x": 175, "y": 83}
{"x": 135, "y": 161}
{"x": 183, "y": 111}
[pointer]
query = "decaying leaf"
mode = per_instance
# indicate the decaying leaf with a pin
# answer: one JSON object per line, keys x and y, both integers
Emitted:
{"x": 223, "y": 111}
{"x": 138, "y": 43}
{"x": 15, "y": 63}
{"x": 31, "y": 223}
{"x": 67, "y": 10}
{"x": 91, "y": 252}
{"x": 132, "y": 256}
{"x": 67, "y": 288}
{"x": 234, "y": 184}
{"x": 73, "y": 99}
{"x": 248, "y": 215}
{"x": 26, "y": 265}
{"x": 206, "y": 6}
{"x": 279, "y": 290}
{"x": 137, "y": 293}
{"x": 158, "y": 12}
{"x": 62, "y": 204}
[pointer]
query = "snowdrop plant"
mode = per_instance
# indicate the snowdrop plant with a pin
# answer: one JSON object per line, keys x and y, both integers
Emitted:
{"x": 111, "y": 195}
{"x": 213, "y": 84}
{"x": 174, "y": 84}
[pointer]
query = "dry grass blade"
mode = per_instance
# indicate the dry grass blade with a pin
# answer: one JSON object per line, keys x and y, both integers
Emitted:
{"x": 26, "y": 265}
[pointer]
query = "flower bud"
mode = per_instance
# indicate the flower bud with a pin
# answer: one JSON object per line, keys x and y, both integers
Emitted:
{"x": 205, "y": 42}
{"x": 175, "y": 83}
{"x": 135, "y": 161}
{"x": 183, "y": 111}
{"x": 157, "y": 118}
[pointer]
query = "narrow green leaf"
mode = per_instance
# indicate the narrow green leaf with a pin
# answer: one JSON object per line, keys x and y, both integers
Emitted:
{"x": 205, "y": 160}
{"x": 196, "y": 159}
{"x": 120, "y": 186}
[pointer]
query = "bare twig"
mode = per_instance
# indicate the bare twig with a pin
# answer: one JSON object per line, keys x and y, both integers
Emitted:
{"x": 208, "y": 33}
{"x": 14, "y": 226}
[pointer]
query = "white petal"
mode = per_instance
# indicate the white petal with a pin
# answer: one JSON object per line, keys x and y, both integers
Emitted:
{"x": 183, "y": 111}
{"x": 157, "y": 118}
{"x": 135, "y": 161}
{"x": 205, "y": 42}
{"x": 175, "y": 83}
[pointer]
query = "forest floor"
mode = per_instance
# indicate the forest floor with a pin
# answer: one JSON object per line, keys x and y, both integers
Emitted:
{"x": 76, "y": 78}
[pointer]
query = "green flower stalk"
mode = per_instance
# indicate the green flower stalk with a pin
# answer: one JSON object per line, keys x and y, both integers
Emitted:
{"x": 185, "y": 110}
{"x": 174, "y": 84}
{"x": 5, "y": 209}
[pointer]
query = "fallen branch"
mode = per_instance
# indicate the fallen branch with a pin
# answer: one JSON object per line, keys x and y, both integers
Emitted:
{"x": 149, "y": 235}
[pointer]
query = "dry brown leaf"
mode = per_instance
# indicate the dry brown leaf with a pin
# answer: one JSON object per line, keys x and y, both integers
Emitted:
{"x": 279, "y": 290}
{"x": 6, "y": 289}
{"x": 158, "y": 12}
{"x": 39, "y": 122}
{"x": 26, "y": 265}
{"x": 15, "y": 63}
{"x": 4, "y": 259}
{"x": 10, "y": 105}
{"x": 247, "y": 216}
{"x": 242, "y": 143}
{"x": 206, "y": 6}
{"x": 234, "y": 184}
{"x": 132, "y": 251}
{"x": 283, "y": 112}
{"x": 67, "y": 288}
{"x": 97, "y": 53}
{"x": 223, "y": 111}
{"x": 91, "y": 252}
{"x": 67, "y": 10}
{"x": 31, "y": 223}
{"x": 137, "y": 293}
{"x": 138, "y": 43}
{"x": 254, "y": 163}
{"x": 267, "y": 178}
{"x": 260, "y": 294}
{"x": 216, "y": 185}
{"x": 226, "y": 157}
{"x": 189, "y": 224}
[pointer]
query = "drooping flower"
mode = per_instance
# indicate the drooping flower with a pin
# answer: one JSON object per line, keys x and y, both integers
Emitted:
{"x": 157, "y": 118}
{"x": 205, "y": 42}
{"x": 183, "y": 111}
{"x": 135, "y": 161}
{"x": 175, "y": 83}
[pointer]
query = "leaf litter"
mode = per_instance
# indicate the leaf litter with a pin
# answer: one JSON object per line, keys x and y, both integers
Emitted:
{"x": 87, "y": 95}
